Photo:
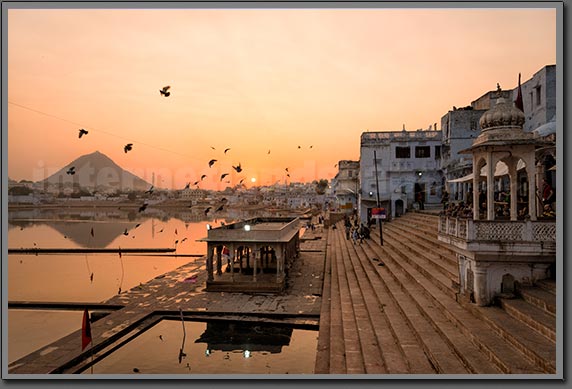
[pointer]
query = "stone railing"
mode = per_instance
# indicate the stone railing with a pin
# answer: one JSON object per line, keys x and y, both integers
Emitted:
{"x": 498, "y": 230}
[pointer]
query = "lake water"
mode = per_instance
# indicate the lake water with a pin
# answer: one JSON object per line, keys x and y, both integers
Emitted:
{"x": 214, "y": 348}
{"x": 90, "y": 278}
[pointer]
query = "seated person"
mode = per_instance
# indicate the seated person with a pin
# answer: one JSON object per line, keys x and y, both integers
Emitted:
{"x": 548, "y": 212}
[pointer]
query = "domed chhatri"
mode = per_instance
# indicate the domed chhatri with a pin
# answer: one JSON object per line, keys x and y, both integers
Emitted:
{"x": 503, "y": 115}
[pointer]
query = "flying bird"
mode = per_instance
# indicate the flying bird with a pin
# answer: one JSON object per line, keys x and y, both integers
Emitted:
{"x": 150, "y": 190}
{"x": 175, "y": 231}
{"x": 188, "y": 185}
{"x": 92, "y": 233}
{"x": 237, "y": 168}
{"x": 225, "y": 150}
{"x": 311, "y": 146}
{"x": 137, "y": 225}
{"x": 211, "y": 162}
{"x": 71, "y": 170}
{"x": 268, "y": 151}
{"x": 82, "y": 132}
{"x": 299, "y": 147}
{"x": 183, "y": 240}
{"x": 288, "y": 175}
{"x": 203, "y": 177}
{"x": 143, "y": 207}
{"x": 125, "y": 232}
{"x": 128, "y": 147}
{"x": 286, "y": 169}
{"x": 219, "y": 208}
{"x": 196, "y": 183}
{"x": 165, "y": 91}
{"x": 240, "y": 182}
{"x": 213, "y": 148}
{"x": 207, "y": 210}
{"x": 223, "y": 176}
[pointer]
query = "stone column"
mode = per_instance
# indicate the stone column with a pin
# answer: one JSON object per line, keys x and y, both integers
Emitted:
{"x": 534, "y": 178}
{"x": 490, "y": 187}
{"x": 255, "y": 256}
{"x": 476, "y": 176}
{"x": 512, "y": 173}
{"x": 481, "y": 292}
{"x": 232, "y": 263}
{"x": 219, "y": 260}
{"x": 210, "y": 250}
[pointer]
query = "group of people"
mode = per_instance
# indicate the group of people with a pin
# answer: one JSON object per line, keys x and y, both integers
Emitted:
{"x": 355, "y": 231}
{"x": 463, "y": 209}
{"x": 458, "y": 210}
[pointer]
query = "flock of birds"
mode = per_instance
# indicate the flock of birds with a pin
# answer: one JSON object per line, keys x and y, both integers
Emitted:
{"x": 165, "y": 92}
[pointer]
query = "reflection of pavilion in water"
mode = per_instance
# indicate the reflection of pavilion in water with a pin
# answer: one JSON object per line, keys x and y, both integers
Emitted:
{"x": 231, "y": 336}
{"x": 256, "y": 252}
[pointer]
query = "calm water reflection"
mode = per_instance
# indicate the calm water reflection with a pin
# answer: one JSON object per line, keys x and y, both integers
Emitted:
{"x": 90, "y": 277}
{"x": 250, "y": 349}
{"x": 68, "y": 277}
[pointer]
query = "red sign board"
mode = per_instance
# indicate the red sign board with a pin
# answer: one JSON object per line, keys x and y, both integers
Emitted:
{"x": 378, "y": 213}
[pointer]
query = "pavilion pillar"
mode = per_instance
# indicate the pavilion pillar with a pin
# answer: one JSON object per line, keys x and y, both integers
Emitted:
{"x": 480, "y": 287}
{"x": 232, "y": 264}
{"x": 219, "y": 260}
{"x": 490, "y": 187}
{"x": 210, "y": 251}
{"x": 512, "y": 173}
{"x": 254, "y": 265}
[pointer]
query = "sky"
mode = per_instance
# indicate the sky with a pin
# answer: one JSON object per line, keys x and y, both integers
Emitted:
{"x": 261, "y": 82}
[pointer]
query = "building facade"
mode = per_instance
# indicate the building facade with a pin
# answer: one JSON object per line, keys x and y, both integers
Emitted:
{"x": 346, "y": 186}
{"x": 398, "y": 169}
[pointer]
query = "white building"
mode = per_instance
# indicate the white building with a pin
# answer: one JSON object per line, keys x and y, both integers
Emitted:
{"x": 346, "y": 185}
{"x": 408, "y": 166}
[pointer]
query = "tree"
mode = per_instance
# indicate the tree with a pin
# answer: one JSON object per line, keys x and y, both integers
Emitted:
{"x": 321, "y": 186}
{"x": 20, "y": 191}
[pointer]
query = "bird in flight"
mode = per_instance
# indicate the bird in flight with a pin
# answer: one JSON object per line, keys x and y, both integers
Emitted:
{"x": 311, "y": 146}
{"x": 299, "y": 147}
{"x": 286, "y": 169}
{"x": 82, "y": 132}
{"x": 223, "y": 176}
{"x": 240, "y": 182}
{"x": 150, "y": 190}
{"x": 188, "y": 185}
{"x": 268, "y": 151}
{"x": 219, "y": 208}
{"x": 207, "y": 210}
{"x": 225, "y": 150}
{"x": 128, "y": 147}
{"x": 143, "y": 207}
{"x": 237, "y": 168}
{"x": 213, "y": 148}
{"x": 165, "y": 91}
{"x": 196, "y": 183}
{"x": 211, "y": 162}
{"x": 71, "y": 170}
{"x": 125, "y": 232}
{"x": 137, "y": 225}
{"x": 203, "y": 177}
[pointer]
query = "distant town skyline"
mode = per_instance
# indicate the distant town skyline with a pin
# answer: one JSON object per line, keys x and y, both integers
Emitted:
{"x": 280, "y": 88}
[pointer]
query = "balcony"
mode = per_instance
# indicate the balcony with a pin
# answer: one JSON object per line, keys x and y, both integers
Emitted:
{"x": 504, "y": 236}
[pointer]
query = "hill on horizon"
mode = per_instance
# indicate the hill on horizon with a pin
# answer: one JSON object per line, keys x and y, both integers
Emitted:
{"x": 97, "y": 171}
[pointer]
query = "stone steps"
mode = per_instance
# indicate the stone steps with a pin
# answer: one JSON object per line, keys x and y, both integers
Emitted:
{"x": 449, "y": 349}
{"x": 547, "y": 285}
{"x": 445, "y": 267}
{"x": 499, "y": 351}
{"x": 539, "y": 297}
{"x": 431, "y": 241}
{"x": 530, "y": 343}
{"x": 534, "y": 317}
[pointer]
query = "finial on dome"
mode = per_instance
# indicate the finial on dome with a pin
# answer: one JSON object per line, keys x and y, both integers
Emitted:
{"x": 499, "y": 90}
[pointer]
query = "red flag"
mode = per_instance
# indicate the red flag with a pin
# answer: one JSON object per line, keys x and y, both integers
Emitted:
{"x": 518, "y": 102}
{"x": 85, "y": 330}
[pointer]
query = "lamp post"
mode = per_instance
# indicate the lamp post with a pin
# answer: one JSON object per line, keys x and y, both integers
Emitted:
{"x": 377, "y": 190}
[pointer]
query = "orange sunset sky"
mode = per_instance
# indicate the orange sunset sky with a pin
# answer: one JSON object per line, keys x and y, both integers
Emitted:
{"x": 252, "y": 80}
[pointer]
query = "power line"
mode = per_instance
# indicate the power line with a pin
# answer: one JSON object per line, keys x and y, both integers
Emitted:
{"x": 97, "y": 130}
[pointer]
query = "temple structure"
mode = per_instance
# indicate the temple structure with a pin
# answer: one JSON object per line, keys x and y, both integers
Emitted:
{"x": 507, "y": 241}
{"x": 256, "y": 255}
